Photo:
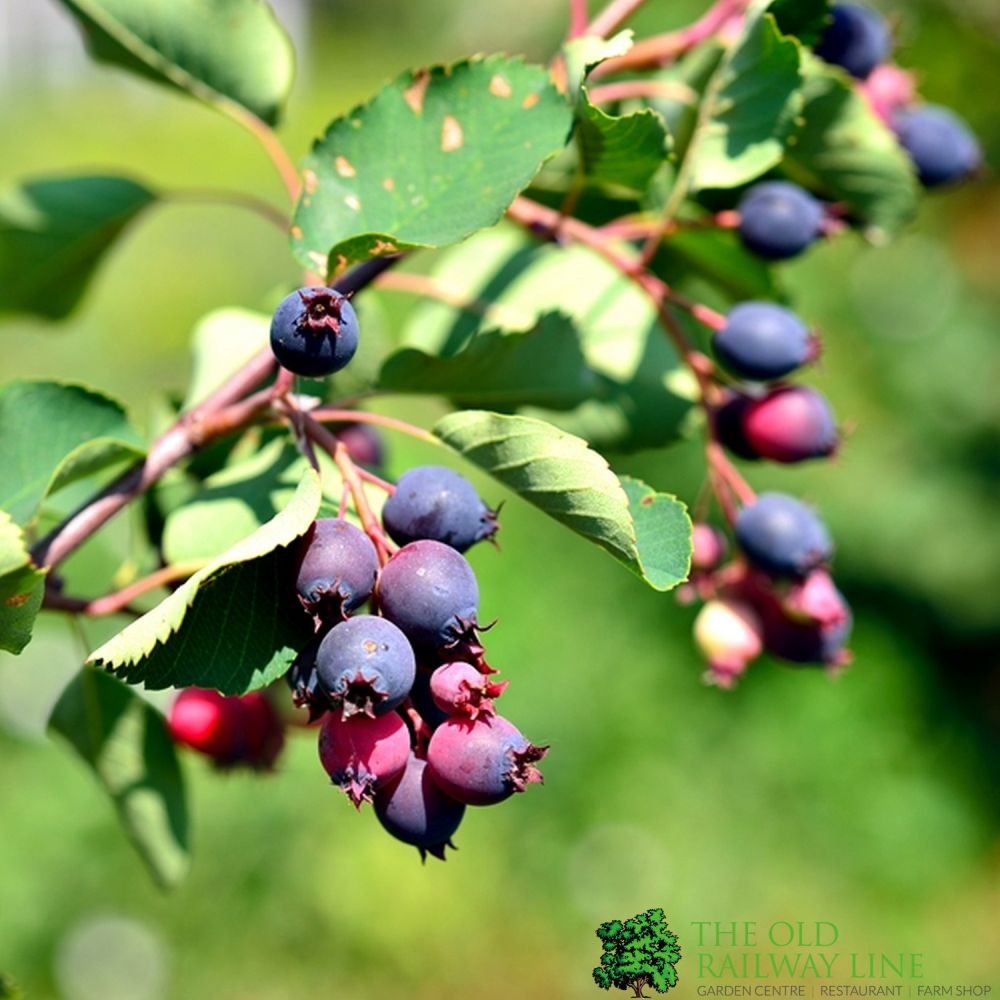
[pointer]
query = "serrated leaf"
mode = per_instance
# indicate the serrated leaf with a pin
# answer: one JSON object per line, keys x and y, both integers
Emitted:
{"x": 226, "y": 52}
{"x": 21, "y": 588}
{"x": 624, "y": 150}
{"x": 236, "y": 625}
{"x": 561, "y": 476}
{"x": 126, "y": 743}
{"x": 435, "y": 156}
{"x": 805, "y": 19}
{"x": 846, "y": 153}
{"x": 221, "y": 343}
{"x": 53, "y": 235}
{"x": 543, "y": 366}
{"x": 51, "y": 434}
{"x": 748, "y": 109}
{"x": 581, "y": 55}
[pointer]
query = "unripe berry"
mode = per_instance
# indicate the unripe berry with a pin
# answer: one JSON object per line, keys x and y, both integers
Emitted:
{"x": 314, "y": 332}
{"x": 790, "y": 424}
{"x": 337, "y": 569}
{"x": 816, "y": 600}
{"x": 435, "y": 502}
{"x": 856, "y": 39}
{"x": 779, "y": 220}
{"x": 208, "y": 722}
{"x": 363, "y": 443}
{"x": 942, "y": 147}
{"x": 482, "y": 762}
{"x": 708, "y": 547}
{"x": 361, "y": 753}
{"x": 729, "y": 635}
{"x": 763, "y": 341}
{"x": 782, "y": 536}
{"x": 727, "y": 420}
{"x": 889, "y": 88}
{"x": 460, "y": 689}
{"x": 414, "y": 810}
{"x": 366, "y": 664}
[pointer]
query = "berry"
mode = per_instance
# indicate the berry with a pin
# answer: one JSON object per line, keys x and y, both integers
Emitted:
{"x": 729, "y": 635}
{"x": 779, "y": 219}
{"x": 361, "y": 753}
{"x": 806, "y": 641}
{"x": 856, "y": 39}
{"x": 482, "y": 762}
{"x": 816, "y": 600}
{"x": 363, "y": 443}
{"x": 429, "y": 590}
{"x": 763, "y": 341}
{"x": 708, "y": 547}
{"x": 337, "y": 569}
{"x": 435, "y": 502}
{"x": 263, "y": 731}
{"x": 414, "y": 810}
{"x": 790, "y": 424}
{"x": 460, "y": 689}
{"x": 887, "y": 89}
{"x": 728, "y": 422}
{"x": 782, "y": 536}
{"x": 942, "y": 147}
{"x": 207, "y": 722}
{"x": 314, "y": 332}
{"x": 423, "y": 701}
{"x": 366, "y": 664}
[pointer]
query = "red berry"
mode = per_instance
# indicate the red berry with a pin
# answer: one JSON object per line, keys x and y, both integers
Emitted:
{"x": 790, "y": 424}
{"x": 460, "y": 689}
{"x": 207, "y": 722}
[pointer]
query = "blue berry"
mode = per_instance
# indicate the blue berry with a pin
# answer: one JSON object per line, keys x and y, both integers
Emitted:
{"x": 857, "y": 39}
{"x": 763, "y": 341}
{"x": 429, "y": 590}
{"x": 337, "y": 570}
{"x": 414, "y": 810}
{"x": 782, "y": 536}
{"x": 779, "y": 220}
{"x": 940, "y": 144}
{"x": 366, "y": 664}
{"x": 432, "y": 501}
{"x": 314, "y": 332}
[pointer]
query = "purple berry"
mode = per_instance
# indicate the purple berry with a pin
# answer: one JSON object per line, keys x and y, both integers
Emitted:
{"x": 483, "y": 761}
{"x": 856, "y": 39}
{"x": 364, "y": 444}
{"x": 366, "y": 664}
{"x": 460, "y": 689}
{"x": 337, "y": 570}
{"x": 779, "y": 220}
{"x": 414, "y": 810}
{"x": 782, "y": 536}
{"x": 361, "y": 753}
{"x": 429, "y": 590}
{"x": 790, "y": 424}
{"x": 314, "y": 332}
{"x": 727, "y": 419}
{"x": 763, "y": 341}
{"x": 434, "y": 502}
{"x": 940, "y": 144}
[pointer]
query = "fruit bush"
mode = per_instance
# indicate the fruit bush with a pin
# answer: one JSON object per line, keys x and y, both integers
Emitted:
{"x": 597, "y": 244}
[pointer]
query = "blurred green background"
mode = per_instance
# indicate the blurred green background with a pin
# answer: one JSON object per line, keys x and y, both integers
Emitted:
{"x": 869, "y": 801}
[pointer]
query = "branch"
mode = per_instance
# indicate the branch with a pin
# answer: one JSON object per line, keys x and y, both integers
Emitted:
{"x": 615, "y": 14}
{"x": 111, "y": 604}
{"x": 271, "y": 144}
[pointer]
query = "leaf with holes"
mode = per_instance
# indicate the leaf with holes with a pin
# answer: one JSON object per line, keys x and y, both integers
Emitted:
{"x": 126, "y": 743}
{"x": 21, "y": 588}
{"x": 543, "y": 366}
{"x": 231, "y": 54}
{"x": 52, "y": 434}
{"x": 748, "y": 109}
{"x": 53, "y": 234}
{"x": 433, "y": 157}
{"x": 648, "y": 532}
{"x": 236, "y": 625}
{"x": 847, "y": 154}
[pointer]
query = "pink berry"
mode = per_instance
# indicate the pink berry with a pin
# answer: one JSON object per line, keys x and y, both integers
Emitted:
{"x": 709, "y": 547}
{"x": 790, "y": 424}
{"x": 730, "y": 635}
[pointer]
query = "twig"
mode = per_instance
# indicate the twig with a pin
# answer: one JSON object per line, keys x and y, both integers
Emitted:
{"x": 615, "y": 14}
{"x": 121, "y": 600}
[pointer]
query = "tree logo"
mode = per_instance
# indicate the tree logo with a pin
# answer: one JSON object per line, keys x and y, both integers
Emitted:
{"x": 638, "y": 952}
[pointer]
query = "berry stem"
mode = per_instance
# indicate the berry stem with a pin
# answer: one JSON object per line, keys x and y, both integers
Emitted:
{"x": 615, "y": 14}
{"x": 577, "y": 18}
{"x": 329, "y": 415}
{"x": 382, "y": 484}
{"x": 625, "y": 90}
{"x": 271, "y": 145}
{"x": 234, "y": 199}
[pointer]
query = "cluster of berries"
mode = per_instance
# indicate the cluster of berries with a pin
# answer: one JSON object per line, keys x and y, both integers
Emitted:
{"x": 405, "y": 693}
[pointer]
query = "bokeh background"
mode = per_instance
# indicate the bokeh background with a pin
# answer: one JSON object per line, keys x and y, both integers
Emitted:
{"x": 869, "y": 801}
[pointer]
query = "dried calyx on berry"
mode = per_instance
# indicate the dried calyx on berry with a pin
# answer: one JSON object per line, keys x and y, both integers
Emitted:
{"x": 314, "y": 332}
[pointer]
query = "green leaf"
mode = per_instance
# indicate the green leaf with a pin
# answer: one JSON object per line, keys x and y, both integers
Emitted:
{"x": 224, "y": 52}
{"x": 805, "y": 19}
{"x": 624, "y": 150}
{"x": 435, "y": 156}
{"x": 126, "y": 743}
{"x": 21, "y": 588}
{"x": 748, "y": 109}
{"x": 543, "y": 366}
{"x": 53, "y": 234}
{"x": 222, "y": 342}
{"x": 51, "y": 434}
{"x": 236, "y": 625}
{"x": 646, "y": 395}
{"x": 648, "y": 532}
{"x": 846, "y": 153}
{"x": 583, "y": 54}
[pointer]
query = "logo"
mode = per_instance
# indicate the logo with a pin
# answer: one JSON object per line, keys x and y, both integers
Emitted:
{"x": 638, "y": 952}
